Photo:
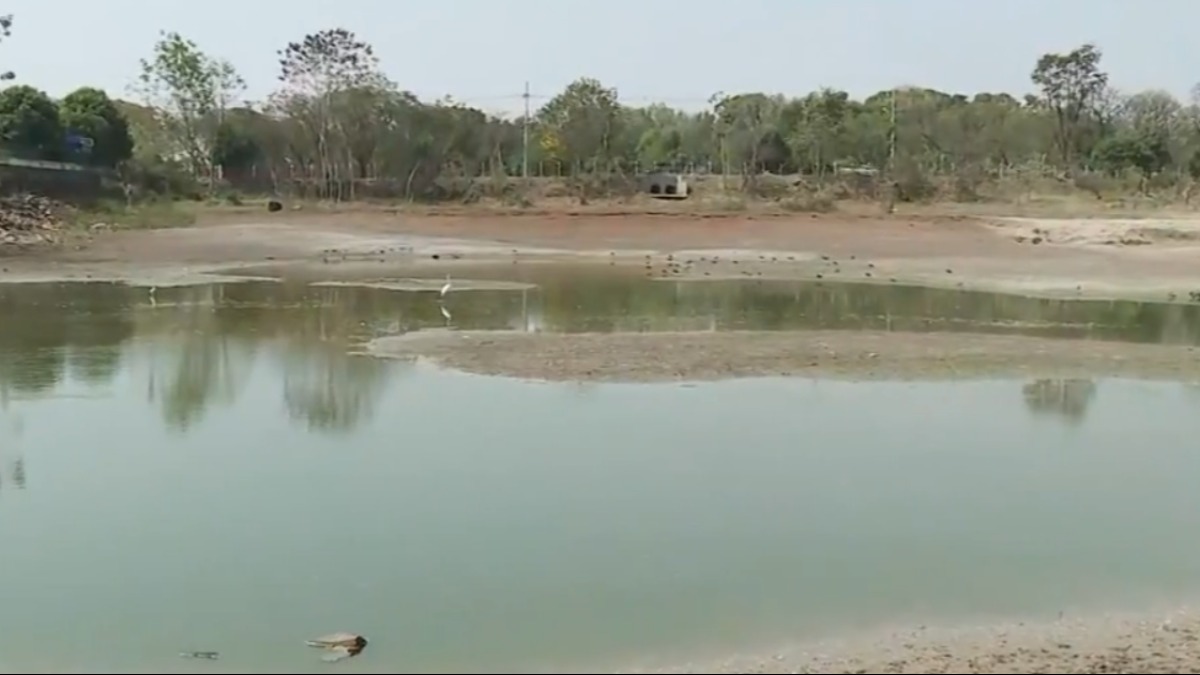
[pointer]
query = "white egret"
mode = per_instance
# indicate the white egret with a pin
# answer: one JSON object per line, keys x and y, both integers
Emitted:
{"x": 445, "y": 288}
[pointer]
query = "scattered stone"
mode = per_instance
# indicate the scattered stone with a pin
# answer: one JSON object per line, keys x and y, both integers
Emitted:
{"x": 27, "y": 219}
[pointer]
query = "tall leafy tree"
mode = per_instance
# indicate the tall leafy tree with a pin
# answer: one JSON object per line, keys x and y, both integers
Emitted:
{"x": 189, "y": 91}
{"x": 330, "y": 86}
{"x": 91, "y": 113}
{"x": 29, "y": 123}
{"x": 580, "y": 125}
{"x": 1072, "y": 87}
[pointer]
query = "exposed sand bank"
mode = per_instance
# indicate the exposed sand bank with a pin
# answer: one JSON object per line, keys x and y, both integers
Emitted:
{"x": 858, "y": 355}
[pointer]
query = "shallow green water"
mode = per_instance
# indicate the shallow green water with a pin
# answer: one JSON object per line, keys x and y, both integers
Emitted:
{"x": 214, "y": 472}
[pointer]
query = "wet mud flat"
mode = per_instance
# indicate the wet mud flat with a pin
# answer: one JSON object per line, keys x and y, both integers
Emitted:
{"x": 1075, "y": 258}
{"x": 665, "y": 356}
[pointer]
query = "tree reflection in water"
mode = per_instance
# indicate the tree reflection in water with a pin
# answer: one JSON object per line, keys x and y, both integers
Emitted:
{"x": 210, "y": 343}
{"x": 1066, "y": 398}
{"x": 12, "y": 463}
{"x": 198, "y": 344}
{"x": 17, "y": 471}
{"x": 192, "y": 362}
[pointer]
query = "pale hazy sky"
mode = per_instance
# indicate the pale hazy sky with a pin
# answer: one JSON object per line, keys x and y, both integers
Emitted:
{"x": 681, "y": 52}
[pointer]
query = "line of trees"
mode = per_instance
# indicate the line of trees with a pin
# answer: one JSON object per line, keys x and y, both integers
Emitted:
{"x": 337, "y": 127}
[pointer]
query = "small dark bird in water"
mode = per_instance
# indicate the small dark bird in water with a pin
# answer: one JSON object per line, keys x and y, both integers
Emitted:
{"x": 211, "y": 656}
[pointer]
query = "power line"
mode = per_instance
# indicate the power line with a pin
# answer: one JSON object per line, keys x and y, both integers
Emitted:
{"x": 531, "y": 96}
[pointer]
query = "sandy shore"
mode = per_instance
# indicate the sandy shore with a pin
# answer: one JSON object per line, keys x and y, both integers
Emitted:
{"x": 648, "y": 357}
{"x": 1163, "y": 642}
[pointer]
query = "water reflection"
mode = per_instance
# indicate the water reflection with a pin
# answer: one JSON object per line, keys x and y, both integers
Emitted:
{"x": 17, "y": 472}
{"x": 12, "y": 462}
{"x": 1068, "y": 399}
{"x": 194, "y": 347}
{"x": 329, "y": 390}
{"x": 12, "y": 474}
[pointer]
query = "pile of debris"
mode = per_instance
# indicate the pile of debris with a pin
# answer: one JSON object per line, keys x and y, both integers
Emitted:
{"x": 28, "y": 219}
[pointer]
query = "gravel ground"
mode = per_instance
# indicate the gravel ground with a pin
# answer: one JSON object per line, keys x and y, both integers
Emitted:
{"x": 1159, "y": 642}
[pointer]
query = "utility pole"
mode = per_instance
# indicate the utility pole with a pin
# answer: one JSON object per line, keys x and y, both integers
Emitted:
{"x": 892, "y": 134}
{"x": 893, "y": 187}
{"x": 525, "y": 135}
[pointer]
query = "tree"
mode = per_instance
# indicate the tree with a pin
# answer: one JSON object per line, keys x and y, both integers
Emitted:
{"x": 190, "y": 92}
{"x": 29, "y": 123}
{"x": 6, "y": 22}
{"x": 1145, "y": 151}
{"x": 584, "y": 121}
{"x": 318, "y": 74}
{"x": 328, "y": 61}
{"x": 815, "y": 128}
{"x": 1071, "y": 86}
{"x": 90, "y": 113}
{"x": 744, "y": 122}
{"x": 235, "y": 147}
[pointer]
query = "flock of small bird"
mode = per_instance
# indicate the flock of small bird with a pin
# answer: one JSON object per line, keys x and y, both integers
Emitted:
{"x": 671, "y": 266}
{"x": 751, "y": 267}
